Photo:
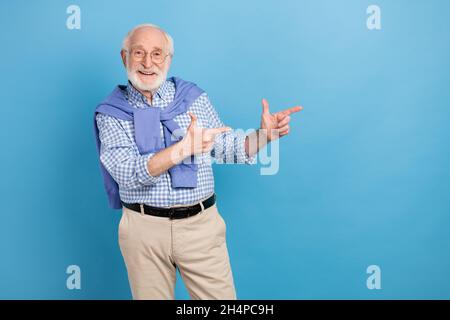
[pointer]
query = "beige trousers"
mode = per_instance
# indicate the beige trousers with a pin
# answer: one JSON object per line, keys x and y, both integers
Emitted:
{"x": 153, "y": 247}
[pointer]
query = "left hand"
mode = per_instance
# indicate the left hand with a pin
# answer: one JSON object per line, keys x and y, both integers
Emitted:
{"x": 276, "y": 124}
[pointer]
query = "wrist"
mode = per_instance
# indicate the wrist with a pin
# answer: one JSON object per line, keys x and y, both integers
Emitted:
{"x": 263, "y": 135}
{"x": 183, "y": 149}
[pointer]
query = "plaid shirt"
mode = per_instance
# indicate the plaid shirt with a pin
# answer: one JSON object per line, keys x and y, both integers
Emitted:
{"x": 121, "y": 158}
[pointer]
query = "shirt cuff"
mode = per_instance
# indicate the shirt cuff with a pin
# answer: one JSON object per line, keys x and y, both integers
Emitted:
{"x": 143, "y": 176}
{"x": 241, "y": 155}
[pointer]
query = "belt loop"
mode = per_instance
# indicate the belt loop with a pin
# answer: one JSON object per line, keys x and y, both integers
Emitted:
{"x": 202, "y": 206}
{"x": 142, "y": 209}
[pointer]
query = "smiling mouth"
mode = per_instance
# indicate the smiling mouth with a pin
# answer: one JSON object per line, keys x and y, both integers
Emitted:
{"x": 147, "y": 73}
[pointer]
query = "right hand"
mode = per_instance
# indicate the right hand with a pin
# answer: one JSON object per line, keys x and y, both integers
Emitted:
{"x": 200, "y": 140}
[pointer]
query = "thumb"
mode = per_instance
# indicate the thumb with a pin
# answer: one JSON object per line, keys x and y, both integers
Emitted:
{"x": 193, "y": 120}
{"x": 265, "y": 106}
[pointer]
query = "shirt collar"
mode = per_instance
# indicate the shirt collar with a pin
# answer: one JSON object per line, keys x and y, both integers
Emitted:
{"x": 138, "y": 99}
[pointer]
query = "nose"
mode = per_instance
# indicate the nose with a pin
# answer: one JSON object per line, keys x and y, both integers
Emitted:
{"x": 147, "y": 61}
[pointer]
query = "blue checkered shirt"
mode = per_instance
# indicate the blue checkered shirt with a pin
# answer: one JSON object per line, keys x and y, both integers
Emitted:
{"x": 121, "y": 158}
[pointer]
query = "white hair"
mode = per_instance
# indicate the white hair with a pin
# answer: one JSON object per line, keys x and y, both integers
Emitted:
{"x": 126, "y": 40}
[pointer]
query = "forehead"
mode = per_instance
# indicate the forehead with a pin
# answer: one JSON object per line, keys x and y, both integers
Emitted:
{"x": 148, "y": 38}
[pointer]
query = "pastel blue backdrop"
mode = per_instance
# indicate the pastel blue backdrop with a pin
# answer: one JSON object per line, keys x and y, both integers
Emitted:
{"x": 364, "y": 175}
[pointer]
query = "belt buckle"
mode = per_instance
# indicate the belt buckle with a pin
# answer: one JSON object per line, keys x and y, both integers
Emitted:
{"x": 171, "y": 213}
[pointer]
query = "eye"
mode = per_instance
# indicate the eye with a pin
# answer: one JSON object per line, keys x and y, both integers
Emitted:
{"x": 138, "y": 53}
{"x": 157, "y": 53}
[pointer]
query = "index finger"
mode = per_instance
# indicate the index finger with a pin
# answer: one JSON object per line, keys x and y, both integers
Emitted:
{"x": 218, "y": 130}
{"x": 290, "y": 110}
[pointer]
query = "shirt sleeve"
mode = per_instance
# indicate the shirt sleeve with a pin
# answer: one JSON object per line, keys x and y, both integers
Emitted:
{"x": 120, "y": 156}
{"x": 229, "y": 147}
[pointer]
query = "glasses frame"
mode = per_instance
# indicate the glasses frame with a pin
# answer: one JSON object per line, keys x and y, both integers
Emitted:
{"x": 146, "y": 53}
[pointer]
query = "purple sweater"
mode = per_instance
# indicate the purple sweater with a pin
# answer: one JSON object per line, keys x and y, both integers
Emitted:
{"x": 147, "y": 132}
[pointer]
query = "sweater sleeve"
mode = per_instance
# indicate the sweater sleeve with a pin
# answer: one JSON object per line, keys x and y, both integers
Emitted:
{"x": 120, "y": 157}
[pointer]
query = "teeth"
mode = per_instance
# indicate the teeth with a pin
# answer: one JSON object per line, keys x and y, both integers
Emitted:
{"x": 147, "y": 73}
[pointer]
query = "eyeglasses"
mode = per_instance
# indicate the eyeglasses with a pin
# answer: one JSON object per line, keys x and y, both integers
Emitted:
{"x": 157, "y": 56}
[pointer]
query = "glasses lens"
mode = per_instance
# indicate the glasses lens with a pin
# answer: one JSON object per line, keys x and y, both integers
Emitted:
{"x": 138, "y": 54}
{"x": 157, "y": 56}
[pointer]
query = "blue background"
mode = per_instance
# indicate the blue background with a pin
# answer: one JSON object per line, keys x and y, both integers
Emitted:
{"x": 364, "y": 173}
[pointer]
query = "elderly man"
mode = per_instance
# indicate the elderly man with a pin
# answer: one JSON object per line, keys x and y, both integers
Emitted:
{"x": 156, "y": 138}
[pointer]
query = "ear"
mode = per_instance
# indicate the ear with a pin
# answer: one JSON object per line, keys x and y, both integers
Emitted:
{"x": 169, "y": 62}
{"x": 123, "y": 54}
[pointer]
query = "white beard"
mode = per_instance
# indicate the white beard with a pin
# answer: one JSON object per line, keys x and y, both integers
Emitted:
{"x": 152, "y": 87}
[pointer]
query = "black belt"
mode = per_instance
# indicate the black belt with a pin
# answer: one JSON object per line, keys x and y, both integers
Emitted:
{"x": 171, "y": 213}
